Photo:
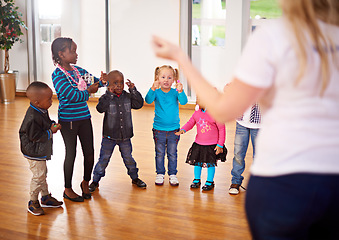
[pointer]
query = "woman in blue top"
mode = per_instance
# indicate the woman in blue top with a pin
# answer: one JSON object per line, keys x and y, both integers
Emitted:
{"x": 73, "y": 113}
{"x": 166, "y": 120}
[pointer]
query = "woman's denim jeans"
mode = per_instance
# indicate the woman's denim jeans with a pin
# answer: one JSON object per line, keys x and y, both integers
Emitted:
{"x": 241, "y": 140}
{"x": 166, "y": 140}
{"x": 107, "y": 147}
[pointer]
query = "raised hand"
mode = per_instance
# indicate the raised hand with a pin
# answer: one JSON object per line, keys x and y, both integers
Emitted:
{"x": 155, "y": 85}
{"x": 103, "y": 78}
{"x": 130, "y": 84}
{"x": 180, "y": 132}
{"x": 179, "y": 86}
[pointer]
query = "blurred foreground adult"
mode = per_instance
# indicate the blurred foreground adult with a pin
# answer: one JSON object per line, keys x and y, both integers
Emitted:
{"x": 291, "y": 66}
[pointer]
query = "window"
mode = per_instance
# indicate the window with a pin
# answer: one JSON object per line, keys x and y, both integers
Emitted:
{"x": 49, "y": 19}
{"x": 49, "y": 9}
{"x": 49, "y": 32}
{"x": 265, "y": 9}
{"x": 208, "y": 23}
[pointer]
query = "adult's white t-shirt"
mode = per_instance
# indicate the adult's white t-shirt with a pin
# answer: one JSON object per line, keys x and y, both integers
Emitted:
{"x": 300, "y": 127}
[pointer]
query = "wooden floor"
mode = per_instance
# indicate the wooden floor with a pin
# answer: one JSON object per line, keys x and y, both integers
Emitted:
{"x": 118, "y": 210}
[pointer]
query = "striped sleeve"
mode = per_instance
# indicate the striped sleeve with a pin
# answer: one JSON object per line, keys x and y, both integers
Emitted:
{"x": 72, "y": 101}
{"x": 66, "y": 89}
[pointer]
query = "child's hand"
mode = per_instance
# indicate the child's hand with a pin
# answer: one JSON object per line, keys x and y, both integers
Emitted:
{"x": 180, "y": 132}
{"x": 55, "y": 127}
{"x": 103, "y": 78}
{"x": 179, "y": 86}
{"x": 93, "y": 88}
{"x": 218, "y": 150}
{"x": 130, "y": 84}
{"x": 155, "y": 85}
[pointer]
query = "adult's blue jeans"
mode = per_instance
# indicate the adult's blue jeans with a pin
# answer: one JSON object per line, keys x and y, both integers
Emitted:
{"x": 166, "y": 142}
{"x": 293, "y": 207}
{"x": 241, "y": 140}
{"x": 107, "y": 147}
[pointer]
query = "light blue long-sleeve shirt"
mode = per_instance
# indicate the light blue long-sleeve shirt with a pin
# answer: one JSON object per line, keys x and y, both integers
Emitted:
{"x": 166, "y": 111}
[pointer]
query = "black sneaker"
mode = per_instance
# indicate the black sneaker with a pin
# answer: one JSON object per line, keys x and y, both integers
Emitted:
{"x": 139, "y": 183}
{"x": 93, "y": 186}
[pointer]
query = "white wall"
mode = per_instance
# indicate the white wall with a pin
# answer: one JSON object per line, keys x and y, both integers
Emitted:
{"x": 133, "y": 22}
{"x": 84, "y": 22}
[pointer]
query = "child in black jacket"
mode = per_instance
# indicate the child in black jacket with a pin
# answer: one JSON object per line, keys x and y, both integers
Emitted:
{"x": 117, "y": 126}
{"x": 36, "y": 139}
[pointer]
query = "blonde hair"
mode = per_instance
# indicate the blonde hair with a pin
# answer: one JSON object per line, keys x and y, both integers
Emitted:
{"x": 303, "y": 15}
{"x": 158, "y": 70}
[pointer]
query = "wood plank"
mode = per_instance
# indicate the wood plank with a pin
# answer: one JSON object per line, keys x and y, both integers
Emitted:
{"x": 118, "y": 210}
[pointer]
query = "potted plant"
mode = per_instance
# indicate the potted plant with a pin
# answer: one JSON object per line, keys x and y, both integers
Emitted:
{"x": 11, "y": 26}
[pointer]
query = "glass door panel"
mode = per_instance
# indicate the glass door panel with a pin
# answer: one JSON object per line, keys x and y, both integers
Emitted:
{"x": 208, "y": 39}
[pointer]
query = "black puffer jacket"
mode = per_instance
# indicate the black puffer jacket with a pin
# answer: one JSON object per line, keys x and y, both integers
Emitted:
{"x": 36, "y": 139}
{"x": 118, "y": 118}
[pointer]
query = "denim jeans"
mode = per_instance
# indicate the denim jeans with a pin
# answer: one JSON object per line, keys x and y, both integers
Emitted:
{"x": 107, "y": 147}
{"x": 166, "y": 141}
{"x": 241, "y": 140}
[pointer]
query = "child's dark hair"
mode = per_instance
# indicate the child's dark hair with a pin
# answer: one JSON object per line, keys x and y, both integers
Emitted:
{"x": 37, "y": 85}
{"x": 113, "y": 74}
{"x": 175, "y": 72}
{"x": 59, "y": 45}
{"x": 33, "y": 90}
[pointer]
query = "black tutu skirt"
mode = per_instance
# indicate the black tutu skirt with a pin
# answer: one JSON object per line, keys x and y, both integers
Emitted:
{"x": 204, "y": 155}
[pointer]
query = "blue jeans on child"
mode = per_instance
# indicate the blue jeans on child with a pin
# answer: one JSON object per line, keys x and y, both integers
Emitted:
{"x": 241, "y": 140}
{"x": 165, "y": 140}
{"x": 107, "y": 147}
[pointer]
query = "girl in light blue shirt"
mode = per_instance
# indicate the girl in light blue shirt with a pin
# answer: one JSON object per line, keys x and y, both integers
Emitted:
{"x": 166, "y": 120}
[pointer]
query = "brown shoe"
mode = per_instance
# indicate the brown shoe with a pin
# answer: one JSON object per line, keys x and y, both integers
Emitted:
{"x": 35, "y": 208}
{"x": 49, "y": 201}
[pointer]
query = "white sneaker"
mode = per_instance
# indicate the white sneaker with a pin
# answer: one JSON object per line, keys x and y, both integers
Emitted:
{"x": 159, "y": 179}
{"x": 173, "y": 180}
{"x": 234, "y": 189}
